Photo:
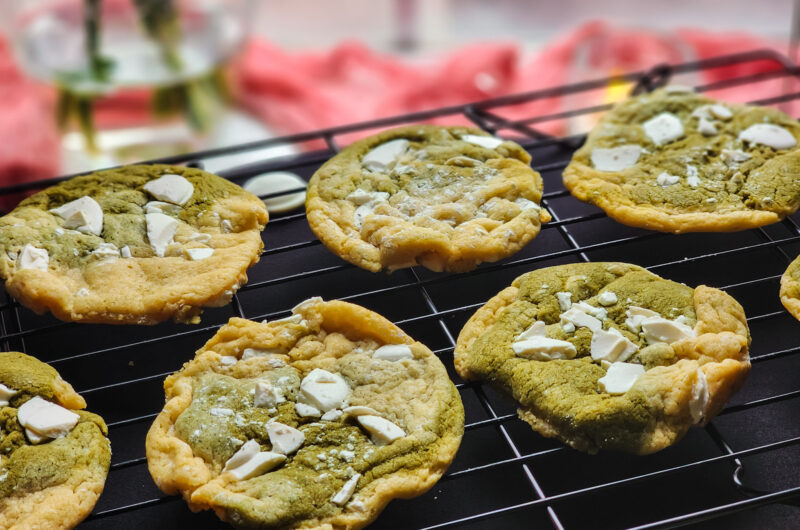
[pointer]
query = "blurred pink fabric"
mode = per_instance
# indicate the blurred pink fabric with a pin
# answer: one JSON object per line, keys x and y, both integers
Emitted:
{"x": 295, "y": 92}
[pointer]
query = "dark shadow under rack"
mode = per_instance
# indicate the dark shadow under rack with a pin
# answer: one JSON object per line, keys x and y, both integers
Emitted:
{"x": 739, "y": 472}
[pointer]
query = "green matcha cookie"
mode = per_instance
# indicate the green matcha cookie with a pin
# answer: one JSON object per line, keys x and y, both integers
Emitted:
{"x": 790, "y": 288}
{"x": 446, "y": 198}
{"x": 54, "y": 457}
{"x": 134, "y": 245}
{"x": 676, "y": 161}
{"x": 316, "y": 420}
{"x": 608, "y": 355}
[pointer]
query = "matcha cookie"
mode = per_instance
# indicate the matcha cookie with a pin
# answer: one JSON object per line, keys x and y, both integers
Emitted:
{"x": 608, "y": 355}
{"x": 790, "y": 288}
{"x": 446, "y": 198}
{"x": 316, "y": 420}
{"x": 676, "y": 161}
{"x": 134, "y": 245}
{"x": 54, "y": 457}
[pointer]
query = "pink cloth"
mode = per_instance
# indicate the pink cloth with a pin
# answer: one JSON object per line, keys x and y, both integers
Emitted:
{"x": 295, "y": 92}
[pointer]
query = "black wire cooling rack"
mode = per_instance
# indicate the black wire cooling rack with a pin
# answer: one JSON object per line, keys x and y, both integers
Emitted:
{"x": 738, "y": 472}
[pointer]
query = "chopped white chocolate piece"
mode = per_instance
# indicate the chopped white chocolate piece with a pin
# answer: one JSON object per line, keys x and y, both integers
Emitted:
{"x": 258, "y": 464}
{"x": 332, "y": 415}
{"x": 709, "y": 112}
{"x": 636, "y": 315}
{"x": 323, "y": 390}
{"x": 84, "y": 215}
{"x": 664, "y": 128}
{"x": 125, "y": 252}
{"x": 620, "y": 377}
{"x": 359, "y": 410}
{"x": 580, "y": 319}
{"x": 284, "y": 438}
{"x": 381, "y": 430}
{"x": 228, "y": 360}
{"x": 597, "y": 312}
{"x": 170, "y": 188}
{"x": 607, "y": 298}
{"x": 6, "y": 393}
{"x": 196, "y": 254}
{"x": 160, "y": 231}
{"x": 162, "y": 207}
{"x": 693, "y": 181}
{"x": 33, "y": 437}
{"x": 544, "y": 349}
{"x": 343, "y": 495}
{"x": 220, "y": 411}
{"x": 106, "y": 251}
{"x": 393, "y": 352}
{"x": 665, "y": 179}
{"x": 657, "y": 329}
{"x": 615, "y": 158}
{"x": 245, "y": 453}
{"x": 537, "y": 329}
{"x": 699, "y": 400}
{"x": 731, "y": 157}
{"x": 768, "y": 134}
{"x": 611, "y": 346}
{"x": 564, "y": 300}
{"x": 226, "y": 225}
{"x": 249, "y": 353}
{"x": 268, "y": 395}
{"x": 33, "y": 258}
{"x": 489, "y": 142}
{"x": 569, "y": 327}
{"x": 46, "y": 419}
{"x": 706, "y": 128}
{"x": 306, "y": 411}
{"x": 380, "y": 157}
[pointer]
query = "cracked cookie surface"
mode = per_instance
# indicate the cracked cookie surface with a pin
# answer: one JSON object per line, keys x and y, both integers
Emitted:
{"x": 344, "y": 409}
{"x": 688, "y": 349}
{"x": 447, "y": 198}
{"x": 102, "y": 248}
{"x": 52, "y": 483}
{"x": 676, "y": 161}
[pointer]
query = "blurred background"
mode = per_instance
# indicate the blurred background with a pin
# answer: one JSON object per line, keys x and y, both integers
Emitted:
{"x": 86, "y": 84}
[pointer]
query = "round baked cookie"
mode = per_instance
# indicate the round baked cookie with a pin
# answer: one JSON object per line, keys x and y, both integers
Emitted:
{"x": 790, "y": 288}
{"x": 54, "y": 457}
{"x": 133, "y": 245}
{"x": 676, "y": 161}
{"x": 608, "y": 355}
{"x": 446, "y": 198}
{"x": 316, "y": 420}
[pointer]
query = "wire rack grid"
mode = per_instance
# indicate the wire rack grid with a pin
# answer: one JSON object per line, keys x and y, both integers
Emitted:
{"x": 738, "y": 472}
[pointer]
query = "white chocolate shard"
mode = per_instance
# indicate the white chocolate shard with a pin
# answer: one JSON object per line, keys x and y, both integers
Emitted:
{"x": 106, "y": 251}
{"x": 615, "y": 158}
{"x": 259, "y": 464}
{"x": 607, "y": 298}
{"x": 489, "y": 142}
{"x": 323, "y": 390}
{"x": 162, "y": 207}
{"x": 284, "y": 438}
{"x": 564, "y": 300}
{"x": 33, "y": 258}
{"x": 6, "y": 394}
{"x": 332, "y": 415}
{"x": 306, "y": 411}
{"x": 537, "y": 329}
{"x": 693, "y": 181}
{"x": 267, "y": 395}
{"x": 620, "y": 377}
{"x": 380, "y": 157}
{"x": 580, "y": 319}
{"x": 597, "y": 312}
{"x": 343, "y": 495}
{"x": 665, "y": 179}
{"x": 381, "y": 430}
{"x": 359, "y": 410}
{"x": 197, "y": 254}
{"x": 170, "y": 188}
{"x": 160, "y": 231}
{"x": 611, "y": 346}
{"x": 245, "y": 453}
{"x": 46, "y": 419}
{"x": 732, "y": 157}
{"x": 658, "y": 329}
{"x": 706, "y": 127}
{"x": 768, "y": 134}
{"x": 544, "y": 349}
{"x": 664, "y": 128}
{"x": 700, "y": 396}
{"x": 84, "y": 215}
{"x": 636, "y": 315}
{"x": 125, "y": 252}
{"x": 393, "y": 352}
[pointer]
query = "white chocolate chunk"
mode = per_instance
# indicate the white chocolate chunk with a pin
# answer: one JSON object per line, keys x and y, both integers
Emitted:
{"x": 284, "y": 439}
{"x": 381, "y": 430}
{"x": 196, "y": 254}
{"x": 527, "y": 204}
{"x": 162, "y": 207}
{"x": 343, "y": 495}
{"x": 6, "y": 393}
{"x": 564, "y": 300}
{"x": 665, "y": 179}
{"x": 379, "y": 158}
{"x": 569, "y": 327}
{"x": 33, "y": 437}
{"x": 769, "y": 135}
{"x": 245, "y": 453}
{"x": 615, "y": 158}
{"x": 544, "y": 349}
{"x": 249, "y": 353}
{"x": 693, "y": 181}
{"x": 125, "y": 252}
{"x": 83, "y": 215}
{"x": 160, "y": 231}
{"x": 226, "y": 225}
{"x": 393, "y": 352}
{"x": 323, "y": 390}
{"x": 359, "y": 410}
{"x": 731, "y": 157}
{"x": 620, "y": 377}
{"x": 659, "y": 329}
{"x": 699, "y": 400}
{"x": 611, "y": 346}
{"x": 170, "y": 188}
{"x": 607, "y": 298}
{"x": 269, "y": 396}
{"x": 580, "y": 319}
{"x": 259, "y": 464}
{"x": 706, "y": 128}
{"x": 489, "y": 142}
{"x": 537, "y": 329}
{"x": 33, "y": 258}
{"x": 332, "y": 415}
{"x": 636, "y": 315}
{"x": 106, "y": 251}
{"x": 46, "y": 419}
{"x": 597, "y": 312}
{"x": 228, "y": 360}
{"x": 306, "y": 411}
{"x": 220, "y": 412}
{"x": 664, "y": 128}
{"x": 708, "y": 112}
{"x": 276, "y": 182}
